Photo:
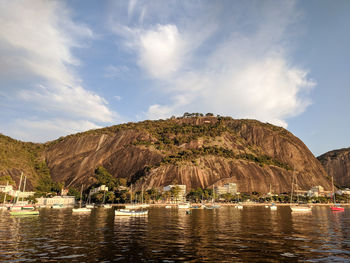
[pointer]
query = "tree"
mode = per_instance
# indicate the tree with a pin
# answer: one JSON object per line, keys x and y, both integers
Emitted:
{"x": 105, "y": 178}
{"x": 175, "y": 191}
{"x": 74, "y": 192}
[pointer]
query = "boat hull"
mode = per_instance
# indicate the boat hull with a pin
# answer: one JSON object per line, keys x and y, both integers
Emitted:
{"x": 81, "y": 210}
{"x": 126, "y": 212}
{"x": 334, "y": 208}
{"x": 24, "y": 213}
{"x": 300, "y": 209}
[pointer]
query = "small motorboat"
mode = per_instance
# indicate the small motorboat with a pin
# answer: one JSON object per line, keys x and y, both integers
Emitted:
{"x": 128, "y": 212}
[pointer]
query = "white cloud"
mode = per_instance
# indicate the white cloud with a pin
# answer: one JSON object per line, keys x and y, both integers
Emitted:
{"x": 38, "y": 130}
{"x": 225, "y": 65}
{"x": 76, "y": 102}
{"x": 161, "y": 50}
{"x": 36, "y": 42}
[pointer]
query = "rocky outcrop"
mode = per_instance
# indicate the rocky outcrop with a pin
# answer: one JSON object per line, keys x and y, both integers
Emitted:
{"x": 337, "y": 164}
{"x": 197, "y": 152}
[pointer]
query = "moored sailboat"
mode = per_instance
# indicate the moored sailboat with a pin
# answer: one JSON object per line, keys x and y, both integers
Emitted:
{"x": 298, "y": 207}
{"x": 81, "y": 209}
{"x": 335, "y": 206}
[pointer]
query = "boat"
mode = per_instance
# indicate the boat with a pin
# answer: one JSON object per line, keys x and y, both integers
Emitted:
{"x": 213, "y": 206}
{"x": 168, "y": 206}
{"x": 197, "y": 206}
{"x": 239, "y": 206}
{"x": 335, "y": 206}
{"x": 106, "y": 206}
{"x": 298, "y": 207}
{"x": 81, "y": 209}
{"x": 183, "y": 205}
{"x": 273, "y": 207}
{"x": 90, "y": 206}
{"x": 27, "y": 207}
{"x": 24, "y": 212}
{"x": 128, "y": 212}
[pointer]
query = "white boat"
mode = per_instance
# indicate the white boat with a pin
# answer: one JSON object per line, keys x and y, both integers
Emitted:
{"x": 168, "y": 206}
{"x": 297, "y": 207}
{"x": 106, "y": 206}
{"x": 273, "y": 207}
{"x": 81, "y": 210}
{"x": 128, "y": 212}
{"x": 300, "y": 208}
{"x": 239, "y": 206}
{"x": 24, "y": 212}
{"x": 183, "y": 205}
{"x": 15, "y": 208}
{"x": 144, "y": 205}
{"x": 89, "y": 206}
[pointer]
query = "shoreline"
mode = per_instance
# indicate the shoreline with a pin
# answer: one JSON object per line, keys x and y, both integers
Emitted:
{"x": 243, "y": 203}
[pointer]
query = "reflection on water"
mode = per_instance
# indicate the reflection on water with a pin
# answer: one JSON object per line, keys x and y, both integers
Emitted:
{"x": 171, "y": 235}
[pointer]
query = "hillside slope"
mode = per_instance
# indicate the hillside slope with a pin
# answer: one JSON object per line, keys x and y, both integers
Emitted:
{"x": 337, "y": 164}
{"x": 198, "y": 152}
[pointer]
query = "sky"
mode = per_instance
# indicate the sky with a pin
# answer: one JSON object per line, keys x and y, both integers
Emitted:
{"x": 71, "y": 66}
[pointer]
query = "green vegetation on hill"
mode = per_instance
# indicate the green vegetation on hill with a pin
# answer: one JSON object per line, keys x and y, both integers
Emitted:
{"x": 22, "y": 156}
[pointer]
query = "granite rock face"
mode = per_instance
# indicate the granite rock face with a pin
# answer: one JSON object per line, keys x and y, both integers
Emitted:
{"x": 197, "y": 152}
{"x": 337, "y": 164}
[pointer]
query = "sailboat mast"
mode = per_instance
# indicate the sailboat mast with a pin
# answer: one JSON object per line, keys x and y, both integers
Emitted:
{"x": 333, "y": 190}
{"x": 19, "y": 188}
{"x": 81, "y": 194}
{"x": 24, "y": 185}
{"x": 131, "y": 193}
{"x": 142, "y": 195}
{"x": 7, "y": 183}
{"x": 291, "y": 194}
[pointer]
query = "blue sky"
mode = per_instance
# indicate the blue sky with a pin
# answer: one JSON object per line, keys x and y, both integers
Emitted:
{"x": 70, "y": 66}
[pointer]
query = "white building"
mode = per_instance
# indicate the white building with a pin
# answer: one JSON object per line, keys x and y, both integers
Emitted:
{"x": 6, "y": 188}
{"x": 182, "y": 192}
{"x": 316, "y": 191}
{"x": 345, "y": 191}
{"x": 230, "y": 188}
{"x": 102, "y": 188}
{"x": 59, "y": 200}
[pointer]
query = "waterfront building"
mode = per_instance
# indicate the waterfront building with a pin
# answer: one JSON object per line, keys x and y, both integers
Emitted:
{"x": 6, "y": 188}
{"x": 59, "y": 200}
{"x": 96, "y": 190}
{"x": 182, "y": 193}
{"x": 316, "y": 191}
{"x": 345, "y": 191}
{"x": 230, "y": 188}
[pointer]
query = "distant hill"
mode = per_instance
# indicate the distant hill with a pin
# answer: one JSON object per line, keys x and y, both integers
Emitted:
{"x": 196, "y": 151}
{"x": 337, "y": 164}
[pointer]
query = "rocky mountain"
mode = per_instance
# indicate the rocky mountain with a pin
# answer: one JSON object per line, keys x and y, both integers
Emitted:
{"x": 337, "y": 164}
{"x": 196, "y": 151}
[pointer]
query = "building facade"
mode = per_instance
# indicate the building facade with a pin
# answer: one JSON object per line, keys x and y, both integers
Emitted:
{"x": 182, "y": 193}
{"x": 230, "y": 188}
{"x": 96, "y": 190}
{"x": 59, "y": 200}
